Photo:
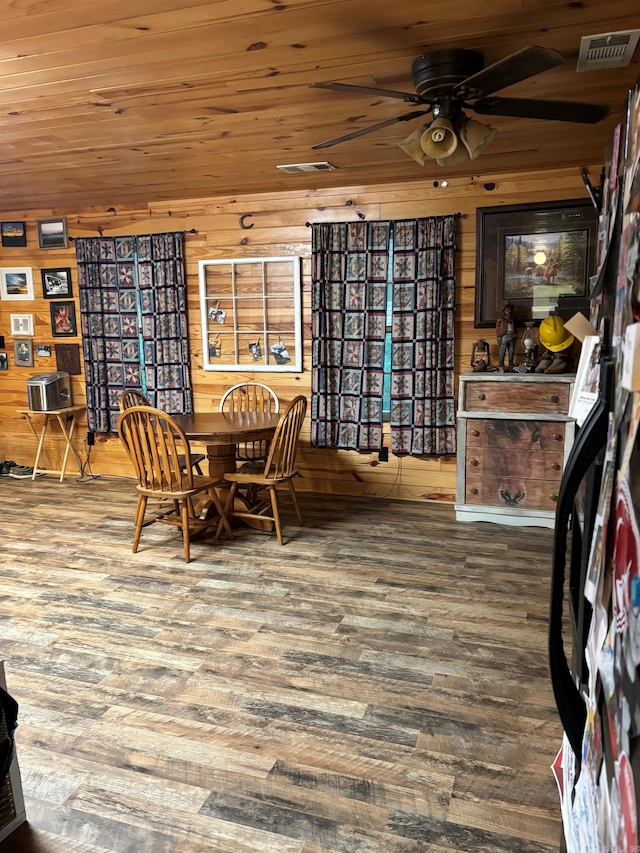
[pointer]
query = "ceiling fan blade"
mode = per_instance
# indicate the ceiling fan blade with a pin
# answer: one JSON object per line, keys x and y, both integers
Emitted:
{"x": 549, "y": 110}
{"x": 369, "y": 90}
{"x": 512, "y": 69}
{"x": 370, "y": 129}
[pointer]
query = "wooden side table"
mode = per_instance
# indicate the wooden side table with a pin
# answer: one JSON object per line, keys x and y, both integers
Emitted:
{"x": 67, "y": 420}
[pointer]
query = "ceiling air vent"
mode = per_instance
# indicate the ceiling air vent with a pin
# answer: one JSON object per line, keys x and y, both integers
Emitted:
{"x": 607, "y": 50}
{"x": 296, "y": 168}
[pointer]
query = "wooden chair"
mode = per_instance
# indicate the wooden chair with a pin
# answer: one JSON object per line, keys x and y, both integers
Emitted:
{"x": 280, "y": 467}
{"x": 250, "y": 397}
{"x": 130, "y": 397}
{"x": 156, "y": 444}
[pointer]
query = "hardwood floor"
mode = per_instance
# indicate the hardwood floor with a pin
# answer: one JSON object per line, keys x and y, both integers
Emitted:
{"x": 377, "y": 685}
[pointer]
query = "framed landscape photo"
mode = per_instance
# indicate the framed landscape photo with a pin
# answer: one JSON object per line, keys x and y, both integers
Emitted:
{"x": 52, "y": 233}
{"x": 63, "y": 319}
{"x": 538, "y": 257}
{"x": 16, "y": 283}
{"x": 56, "y": 284}
{"x": 13, "y": 233}
{"x": 23, "y": 353}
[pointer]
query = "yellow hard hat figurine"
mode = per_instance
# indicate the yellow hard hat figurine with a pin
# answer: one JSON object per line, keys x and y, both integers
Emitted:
{"x": 556, "y": 340}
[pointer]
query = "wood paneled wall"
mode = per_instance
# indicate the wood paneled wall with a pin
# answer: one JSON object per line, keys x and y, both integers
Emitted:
{"x": 279, "y": 228}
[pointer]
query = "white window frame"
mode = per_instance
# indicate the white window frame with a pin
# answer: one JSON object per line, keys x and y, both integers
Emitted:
{"x": 209, "y": 299}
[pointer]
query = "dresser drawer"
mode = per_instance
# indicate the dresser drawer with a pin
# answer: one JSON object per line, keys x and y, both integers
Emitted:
{"x": 508, "y": 436}
{"x": 529, "y": 397}
{"x": 494, "y": 492}
{"x": 532, "y": 464}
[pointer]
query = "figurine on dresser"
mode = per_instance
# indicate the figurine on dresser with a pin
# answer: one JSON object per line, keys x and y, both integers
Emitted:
{"x": 506, "y": 335}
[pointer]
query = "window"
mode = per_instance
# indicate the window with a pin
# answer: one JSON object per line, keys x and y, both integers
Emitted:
{"x": 251, "y": 314}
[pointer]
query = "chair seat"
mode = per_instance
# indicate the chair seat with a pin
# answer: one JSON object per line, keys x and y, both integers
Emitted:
{"x": 200, "y": 484}
{"x": 248, "y": 477}
{"x": 196, "y": 459}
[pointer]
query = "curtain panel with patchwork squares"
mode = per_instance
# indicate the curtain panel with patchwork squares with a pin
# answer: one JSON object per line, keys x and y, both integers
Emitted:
{"x": 423, "y": 418}
{"x": 349, "y": 280}
{"x": 134, "y": 323}
{"x": 350, "y": 271}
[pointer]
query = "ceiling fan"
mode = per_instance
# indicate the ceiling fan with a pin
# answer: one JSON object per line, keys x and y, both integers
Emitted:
{"x": 448, "y": 81}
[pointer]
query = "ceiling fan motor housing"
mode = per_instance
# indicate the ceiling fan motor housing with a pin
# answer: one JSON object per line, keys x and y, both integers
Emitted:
{"x": 436, "y": 73}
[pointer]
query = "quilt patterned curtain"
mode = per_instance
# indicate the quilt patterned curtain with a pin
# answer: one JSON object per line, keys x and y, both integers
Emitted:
{"x": 349, "y": 281}
{"x": 422, "y": 377}
{"x": 134, "y": 323}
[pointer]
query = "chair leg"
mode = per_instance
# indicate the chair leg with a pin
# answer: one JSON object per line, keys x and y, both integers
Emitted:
{"x": 196, "y": 465}
{"x": 185, "y": 529}
{"x": 140, "y": 511}
{"x": 276, "y": 512}
{"x": 294, "y": 498}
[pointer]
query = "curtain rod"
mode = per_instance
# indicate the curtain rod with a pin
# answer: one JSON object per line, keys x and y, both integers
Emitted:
{"x": 457, "y": 215}
{"x": 191, "y": 231}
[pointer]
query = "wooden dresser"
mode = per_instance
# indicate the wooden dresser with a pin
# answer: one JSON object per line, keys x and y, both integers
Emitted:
{"x": 514, "y": 437}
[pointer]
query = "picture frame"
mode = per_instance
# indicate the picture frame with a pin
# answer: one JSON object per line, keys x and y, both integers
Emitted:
{"x": 23, "y": 353}
{"x": 4, "y": 361}
{"x": 16, "y": 283}
{"x": 52, "y": 233}
{"x": 63, "y": 319}
{"x": 13, "y": 233}
{"x": 43, "y": 350}
{"x": 21, "y": 324}
{"x": 56, "y": 283}
{"x": 561, "y": 235}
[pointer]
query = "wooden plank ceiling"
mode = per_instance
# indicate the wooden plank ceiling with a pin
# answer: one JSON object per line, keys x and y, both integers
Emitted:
{"x": 116, "y": 103}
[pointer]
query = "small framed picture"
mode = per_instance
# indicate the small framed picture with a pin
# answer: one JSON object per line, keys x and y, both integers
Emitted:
{"x": 23, "y": 353}
{"x": 52, "y": 233}
{"x": 13, "y": 234}
{"x": 63, "y": 319}
{"x": 21, "y": 324}
{"x": 4, "y": 361}
{"x": 43, "y": 350}
{"x": 56, "y": 284}
{"x": 16, "y": 283}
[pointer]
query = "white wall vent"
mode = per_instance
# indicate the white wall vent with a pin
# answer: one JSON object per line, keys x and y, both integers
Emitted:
{"x": 296, "y": 168}
{"x": 607, "y": 50}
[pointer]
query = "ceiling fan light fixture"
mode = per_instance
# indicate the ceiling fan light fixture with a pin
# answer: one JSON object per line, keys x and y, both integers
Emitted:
{"x": 459, "y": 156}
{"x": 411, "y": 146}
{"x": 476, "y": 136}
{"x": 439, "y": 139}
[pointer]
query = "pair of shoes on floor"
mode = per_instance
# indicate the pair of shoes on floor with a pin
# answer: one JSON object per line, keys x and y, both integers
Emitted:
{"x": 5, "y": 467}
{"x": 22, "y": 472}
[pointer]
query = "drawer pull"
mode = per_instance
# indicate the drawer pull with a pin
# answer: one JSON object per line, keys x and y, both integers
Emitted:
{"x": 473, "y": 490}
{"x": 554, "y": 498}
{"x": 482, "y": 396}
{"x": 555, "y": 399}
{"x": 556, "y": 436}
{"x": 555, "y": 466}
{"x": 474, "y": 432}
{"x": 474, "y": 462}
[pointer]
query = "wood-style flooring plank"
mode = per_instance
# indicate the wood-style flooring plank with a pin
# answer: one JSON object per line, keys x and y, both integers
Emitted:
{"x": 376, "y": 685}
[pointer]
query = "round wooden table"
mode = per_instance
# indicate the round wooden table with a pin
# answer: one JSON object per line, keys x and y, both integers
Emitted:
{"x": 221, "y": 432}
